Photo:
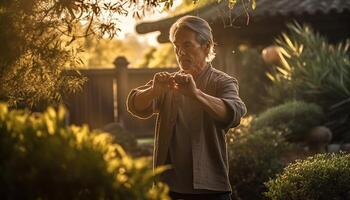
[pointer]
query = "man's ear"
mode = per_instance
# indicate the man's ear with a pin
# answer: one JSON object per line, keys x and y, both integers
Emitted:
{"x": 206, "y": 47}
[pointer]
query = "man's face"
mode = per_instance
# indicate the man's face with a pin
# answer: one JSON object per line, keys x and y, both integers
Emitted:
{"x": 190, "y": 53}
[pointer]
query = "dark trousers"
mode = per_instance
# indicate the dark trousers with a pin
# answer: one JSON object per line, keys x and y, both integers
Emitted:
{"x": 212, "y": 196}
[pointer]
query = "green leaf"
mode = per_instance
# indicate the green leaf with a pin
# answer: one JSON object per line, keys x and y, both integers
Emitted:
{"x": 284, "y": 52}
{"x": 253, "y": 4}
{"x": 283, "y": 71}
{"x": 270, "y": 76}
{"x": 232, "y": 3}
{"x": 289, "y": 42}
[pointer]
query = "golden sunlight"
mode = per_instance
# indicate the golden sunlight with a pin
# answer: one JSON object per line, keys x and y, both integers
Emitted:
{"x": 128, "y": 23}
{"x": 100, "y": 53}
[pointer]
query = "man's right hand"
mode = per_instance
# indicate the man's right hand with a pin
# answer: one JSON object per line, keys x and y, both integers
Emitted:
{"x": 161, "y": 82}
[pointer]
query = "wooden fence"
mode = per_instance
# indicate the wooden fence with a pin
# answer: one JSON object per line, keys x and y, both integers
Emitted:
{"x": 103, "y": 97}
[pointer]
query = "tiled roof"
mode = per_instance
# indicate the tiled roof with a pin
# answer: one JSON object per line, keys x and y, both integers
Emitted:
{"x": 264, "y": 8}
{"x": 299, "y": 7}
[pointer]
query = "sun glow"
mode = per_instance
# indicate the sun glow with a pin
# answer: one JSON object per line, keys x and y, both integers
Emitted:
{"x": 128, "y": 23}
{"x": 127, "y": 27}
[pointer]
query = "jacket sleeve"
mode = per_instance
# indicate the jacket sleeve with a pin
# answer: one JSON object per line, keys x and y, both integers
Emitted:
{"x": 227, "y": 90}
{"x": 142, "y": 114}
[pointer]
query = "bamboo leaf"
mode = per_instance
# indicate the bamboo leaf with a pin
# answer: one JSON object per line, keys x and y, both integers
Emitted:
{"x": 283, "y": 71}
{"x": 270, "y": 76}
{"x": 284, "y": 62}
{"x": 289, "y": 42}
{"x": 284, "y": 52}
{"x": 253, "y": 4}
{"x": 300, "y": 50}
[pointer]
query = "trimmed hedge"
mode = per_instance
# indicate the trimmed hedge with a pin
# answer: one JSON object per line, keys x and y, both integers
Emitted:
{"x": 294, "y": 118}
{"x": 41, "y": 158}
{"x": 321, "y": 177}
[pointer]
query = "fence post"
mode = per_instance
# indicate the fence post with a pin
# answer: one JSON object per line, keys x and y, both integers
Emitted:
{"x": 121, "y": 65}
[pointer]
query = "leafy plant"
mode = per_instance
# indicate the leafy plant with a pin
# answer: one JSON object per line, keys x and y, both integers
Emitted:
{"x": 315, "y": 71}
{"x": 321, "y": 177}
{"x": 311, "y": 68}
{"x": 293, "y": 118}
{"x": 38, "y": 43}
{"x": 41, "y": 158}
{"x": 255, "y": 156}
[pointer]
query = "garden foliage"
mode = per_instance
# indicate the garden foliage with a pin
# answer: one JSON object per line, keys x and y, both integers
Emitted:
{"x": 254, "y": 158}
{"x": 294, "y": 119}
{"x": 311, "y": 68}
{"x": 41, "y": 158}
{"x": 321, "y": 177}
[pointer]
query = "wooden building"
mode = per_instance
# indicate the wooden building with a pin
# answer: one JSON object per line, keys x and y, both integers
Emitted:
{"x": 232, "y": 28}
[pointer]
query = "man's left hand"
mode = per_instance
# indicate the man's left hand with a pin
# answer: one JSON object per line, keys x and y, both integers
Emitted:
{"x": 184, "y": 83}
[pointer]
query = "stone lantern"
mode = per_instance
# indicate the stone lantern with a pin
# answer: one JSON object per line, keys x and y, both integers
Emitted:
{"x": 318, "y": 139}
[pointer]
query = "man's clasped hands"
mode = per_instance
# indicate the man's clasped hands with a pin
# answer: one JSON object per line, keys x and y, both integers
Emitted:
{"x": 179, "y": 81}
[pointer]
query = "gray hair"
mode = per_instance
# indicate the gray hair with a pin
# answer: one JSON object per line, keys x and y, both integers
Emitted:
{"x": 200, "y": 27}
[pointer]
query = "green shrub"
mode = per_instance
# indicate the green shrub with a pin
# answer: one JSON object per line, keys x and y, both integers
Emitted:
{"x": 311, "y": 69}
{"x": 41, "y": 158}
{"x": 294, "y": 118}
{"x": 254, "y": 158}
{"x": 321, "y": 177}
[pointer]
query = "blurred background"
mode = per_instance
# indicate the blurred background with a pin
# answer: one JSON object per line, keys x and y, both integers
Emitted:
{"x": 66, "y": 68}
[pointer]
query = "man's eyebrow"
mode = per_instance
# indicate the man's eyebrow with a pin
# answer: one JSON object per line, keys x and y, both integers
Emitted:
{"x": 184, "y": 42}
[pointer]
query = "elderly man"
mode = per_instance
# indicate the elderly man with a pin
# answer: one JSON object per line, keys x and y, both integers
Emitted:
{"x": 195, "y": 106}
